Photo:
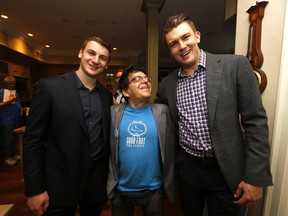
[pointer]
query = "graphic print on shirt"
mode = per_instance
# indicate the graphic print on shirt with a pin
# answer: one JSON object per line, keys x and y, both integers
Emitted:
{"x": 136, "y": 129}
{"x": 139, "y": 157}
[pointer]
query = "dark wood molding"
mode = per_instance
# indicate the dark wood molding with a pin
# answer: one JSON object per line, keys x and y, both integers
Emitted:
{"x": 254, "y": 53}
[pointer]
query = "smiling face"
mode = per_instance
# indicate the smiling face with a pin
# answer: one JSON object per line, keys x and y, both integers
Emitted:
{"x": 94, "y": 59}
{"x": 139, "y": 89}
{"x": 182, "y": 43}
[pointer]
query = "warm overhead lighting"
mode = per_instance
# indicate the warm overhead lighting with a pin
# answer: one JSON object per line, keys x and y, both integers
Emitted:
{"x": 114, "y": 48}
{"x": 30, "y": 34}
{"x": 4, "y": 16}
{"x": 47, "y": 46}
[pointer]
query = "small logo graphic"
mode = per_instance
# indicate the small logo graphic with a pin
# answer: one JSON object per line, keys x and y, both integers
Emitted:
{"x": 137, "y": 128}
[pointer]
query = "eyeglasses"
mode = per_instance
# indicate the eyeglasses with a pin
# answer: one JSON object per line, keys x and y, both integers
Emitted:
{"x": 137, "y": 79}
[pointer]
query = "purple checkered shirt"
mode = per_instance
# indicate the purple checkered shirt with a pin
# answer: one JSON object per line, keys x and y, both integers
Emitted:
{"x": 194, "y": 134}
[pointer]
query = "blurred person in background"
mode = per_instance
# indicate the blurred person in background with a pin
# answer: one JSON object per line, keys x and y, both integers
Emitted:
{"x": 118, "y": 96}
{"x": 10, "y": 118}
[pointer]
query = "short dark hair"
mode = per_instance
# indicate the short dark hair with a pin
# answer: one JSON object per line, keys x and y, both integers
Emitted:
{"x": 9, "y": 78}
{"x": 173, "y": 21}
{"x": 99, "y": 40}
{"x": 124, "y": 79}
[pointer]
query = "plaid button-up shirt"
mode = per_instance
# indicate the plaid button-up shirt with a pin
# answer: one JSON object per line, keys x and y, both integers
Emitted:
{"x": 194, "y": 134}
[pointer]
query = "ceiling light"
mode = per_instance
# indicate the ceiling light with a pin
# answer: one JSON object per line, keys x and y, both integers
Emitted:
{"x": 114, "y": 48}
{"x": 47, "y": 46}
{"x": 4, "y": 16}
{"x": 30, "y": 34}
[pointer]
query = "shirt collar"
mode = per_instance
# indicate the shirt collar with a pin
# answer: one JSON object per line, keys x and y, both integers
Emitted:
{"x": 201, "y": 64}
{"x": 81, "y": 85}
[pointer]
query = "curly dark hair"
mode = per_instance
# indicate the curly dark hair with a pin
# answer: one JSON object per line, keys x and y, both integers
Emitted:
{"x": 124, "y": 79}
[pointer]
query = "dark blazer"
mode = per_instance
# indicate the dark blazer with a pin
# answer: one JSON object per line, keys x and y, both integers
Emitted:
{"x": 55, "y": 148}
{"x": 233, "y": 99}
{"x": 166, "y": 145}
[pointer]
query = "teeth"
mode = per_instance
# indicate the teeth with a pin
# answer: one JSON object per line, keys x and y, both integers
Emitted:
{"x": 185, "y": 53}
{"x": 94, "y": 66}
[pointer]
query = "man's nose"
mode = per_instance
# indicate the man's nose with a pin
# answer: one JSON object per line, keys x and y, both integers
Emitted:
{"x": 95, "y": 59}
{"x": 182, "y": 44}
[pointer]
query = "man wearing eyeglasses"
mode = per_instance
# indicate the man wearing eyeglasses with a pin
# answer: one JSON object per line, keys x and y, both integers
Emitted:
{"x": 141, "y": 164}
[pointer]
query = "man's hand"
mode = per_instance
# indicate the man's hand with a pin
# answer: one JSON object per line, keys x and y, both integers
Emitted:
{"x": 12, "y": 98}
{"x": 38, "y": 204}
{"x": 248, "y": 194}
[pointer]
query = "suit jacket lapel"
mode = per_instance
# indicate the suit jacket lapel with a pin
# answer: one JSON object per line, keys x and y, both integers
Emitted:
{"x": 116, "y": 118}
{"x": 104, "y": 106}
{"x": 68, "y": 83}
{"x": 160, "y": 120}
{"x": 173, "y": 96}
{"x": 213, "y": 76}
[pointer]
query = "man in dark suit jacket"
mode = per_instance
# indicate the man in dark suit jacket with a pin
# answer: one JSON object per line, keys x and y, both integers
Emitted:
{"x": 215, "y": 104}
{"x": 65, "y": 149}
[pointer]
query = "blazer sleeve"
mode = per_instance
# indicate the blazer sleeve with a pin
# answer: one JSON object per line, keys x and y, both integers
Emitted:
{"x": 166, "y": 137}
{"x": 35, "y": 140}
{"x": 254, "y": 123}
{"x": 238, "y": 121}
{"x": 166, "y": 94}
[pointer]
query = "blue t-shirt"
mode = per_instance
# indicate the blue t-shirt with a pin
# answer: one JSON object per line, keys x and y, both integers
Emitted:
{"x": 139, "y": 155}
{"x": 11, "y": 114}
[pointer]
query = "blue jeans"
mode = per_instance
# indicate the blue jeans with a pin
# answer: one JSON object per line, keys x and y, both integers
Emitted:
{"x": 8, "y": 140}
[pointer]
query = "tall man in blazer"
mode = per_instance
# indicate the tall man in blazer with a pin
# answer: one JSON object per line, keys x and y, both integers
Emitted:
{"x": 65, "y": 150}
{"x": 216, "y": 106}
{"x": 142, "y": 148}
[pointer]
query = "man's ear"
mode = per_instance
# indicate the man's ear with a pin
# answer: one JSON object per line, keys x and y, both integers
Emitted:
{"x": 80, "y": 53}
{"x": 198, "y": 36}
{"x": 125, "y": 93}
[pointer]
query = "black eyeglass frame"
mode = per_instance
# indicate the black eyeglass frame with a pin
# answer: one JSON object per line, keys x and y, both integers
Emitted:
{"x": 137, "y": 79}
